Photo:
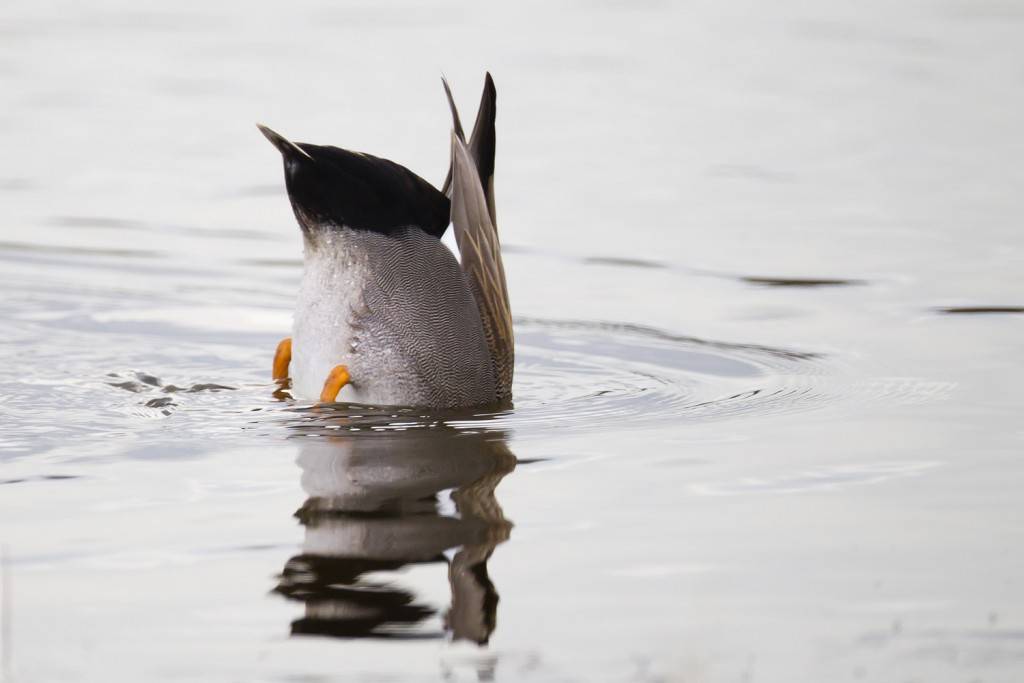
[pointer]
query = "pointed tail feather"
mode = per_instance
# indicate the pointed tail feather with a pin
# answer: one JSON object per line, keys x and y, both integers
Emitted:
{"x": 283, "y": 144}
{"x": 481, "y": 143}
{"x": 477, "y": 237}
{"x": 457, "y": 124}
{"x": 455, "y": 110}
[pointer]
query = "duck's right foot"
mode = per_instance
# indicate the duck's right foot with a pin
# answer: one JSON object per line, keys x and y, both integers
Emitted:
{"x": 338, "y": 378}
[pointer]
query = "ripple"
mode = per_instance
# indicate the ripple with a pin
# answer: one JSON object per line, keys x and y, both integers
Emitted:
{"x": 626, "y": 262}
{"x": 828, "y": 478}
{"x": 577, "y": 377}
{"x": 759, "y": 280}
{"x": 593, "y": 376}
{"x": 139, "y": 382}
{"x": 800, "y": 282}
{"x": 980, "y": 310}
{"x": 77, "y": 251}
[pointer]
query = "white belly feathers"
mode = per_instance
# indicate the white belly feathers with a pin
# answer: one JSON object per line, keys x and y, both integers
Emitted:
{"x": 398, "y": 311}
{"x": 322, "y": 337}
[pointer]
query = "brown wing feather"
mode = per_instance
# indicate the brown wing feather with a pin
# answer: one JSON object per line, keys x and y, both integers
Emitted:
{"x": 480, "y": 252}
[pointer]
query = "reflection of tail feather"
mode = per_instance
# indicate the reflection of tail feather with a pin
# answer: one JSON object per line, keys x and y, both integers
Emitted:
{"x": 474, "y": 610}
{"x": 477, "y": 500}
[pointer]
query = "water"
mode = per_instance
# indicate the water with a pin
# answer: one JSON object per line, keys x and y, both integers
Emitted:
{"x": 767, "y": 274}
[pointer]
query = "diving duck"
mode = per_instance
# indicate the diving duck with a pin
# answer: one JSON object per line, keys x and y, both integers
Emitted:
{"x": 384, "y": 309}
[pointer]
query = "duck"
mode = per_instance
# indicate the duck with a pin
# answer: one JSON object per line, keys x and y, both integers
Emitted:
{"x": 385, "y": 311}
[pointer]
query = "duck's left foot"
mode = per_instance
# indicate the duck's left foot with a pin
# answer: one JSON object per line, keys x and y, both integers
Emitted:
{"x": 283, "y": 358}
{"x": 338, "y": 378}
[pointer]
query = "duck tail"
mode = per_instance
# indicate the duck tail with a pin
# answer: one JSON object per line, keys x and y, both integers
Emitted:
{"x": 481, "y": 143}
{"x": 472, "y": 205}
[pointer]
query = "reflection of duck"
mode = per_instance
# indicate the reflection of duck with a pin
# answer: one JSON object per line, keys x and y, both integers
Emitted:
{"x": 374, "y": 507}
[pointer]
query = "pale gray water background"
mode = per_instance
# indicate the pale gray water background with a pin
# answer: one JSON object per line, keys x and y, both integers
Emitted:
{"x": 720, "y": 477}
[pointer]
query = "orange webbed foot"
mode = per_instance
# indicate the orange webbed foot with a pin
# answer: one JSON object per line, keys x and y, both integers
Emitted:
{"x": 337, "y": 378}
{"x": 283, "y": 358}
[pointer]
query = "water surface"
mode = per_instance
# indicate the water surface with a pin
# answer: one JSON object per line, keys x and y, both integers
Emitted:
{"x": 767, "y": 271}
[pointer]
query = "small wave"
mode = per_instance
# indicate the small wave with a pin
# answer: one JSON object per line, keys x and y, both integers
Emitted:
{"x": 571, "y": 376}
{"x": 589, "y": 376}
{"x": 980, "y": 310}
